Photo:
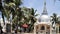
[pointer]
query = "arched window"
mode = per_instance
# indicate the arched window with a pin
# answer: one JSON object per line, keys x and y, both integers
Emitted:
{"x": 42, "y": 28}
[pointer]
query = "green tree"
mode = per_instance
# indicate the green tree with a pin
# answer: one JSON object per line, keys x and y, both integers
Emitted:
{"x": 29, "y": 18}
{"x": 54, "y": 18}
{"x": 32, "y": 19}
{"x": 1, "y": 10}
{"x": 11, "y": 7}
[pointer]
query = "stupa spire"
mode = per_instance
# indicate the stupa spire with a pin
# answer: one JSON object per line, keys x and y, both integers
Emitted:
{"x": 44, "y": 9}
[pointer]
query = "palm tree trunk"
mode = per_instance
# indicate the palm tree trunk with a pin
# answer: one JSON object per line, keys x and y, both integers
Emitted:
{"x": 3, "y": 18}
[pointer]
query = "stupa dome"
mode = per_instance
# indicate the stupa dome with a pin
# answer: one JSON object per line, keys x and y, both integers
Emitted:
{"x": 44, "y": 18}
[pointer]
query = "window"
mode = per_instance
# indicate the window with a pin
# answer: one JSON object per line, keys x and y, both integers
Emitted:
{"x": 48, "y": 27}
{"x": 42, "y": 28}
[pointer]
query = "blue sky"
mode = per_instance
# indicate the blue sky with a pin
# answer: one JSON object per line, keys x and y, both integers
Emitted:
{"x": 39, "y": 4}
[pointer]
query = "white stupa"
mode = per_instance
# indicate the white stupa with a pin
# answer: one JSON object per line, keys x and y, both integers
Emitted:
{"x": 43, "y": 24}
{"x": 44, "y": 18}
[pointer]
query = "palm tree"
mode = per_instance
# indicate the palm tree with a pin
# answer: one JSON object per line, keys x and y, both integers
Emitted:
{"x": 54, "y": 19}
{"x": 12, "y": 7}
{"x": 2, "y": 11}
{"x": 17, "y": 14}
{"x": 32, "y": 18}
{"x": 29, "y": 18}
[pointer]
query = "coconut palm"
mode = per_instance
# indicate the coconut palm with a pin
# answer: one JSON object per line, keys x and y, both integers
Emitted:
{"x": 29, "y": 17}
{"x": 17, "y": 13}
{"x": 0, "y": 4}
{"x": 1, "y": 10}
{"x": 32, "y": 19}
{"x": 54, "y": 19}
{"x": 12, "y": 7}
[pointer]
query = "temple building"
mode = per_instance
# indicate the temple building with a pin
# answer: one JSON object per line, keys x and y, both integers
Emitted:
{"x": 44, "y": 23}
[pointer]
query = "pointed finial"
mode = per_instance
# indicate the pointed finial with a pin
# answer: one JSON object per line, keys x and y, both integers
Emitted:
{"x": 44, "y": 2}
{"x": 44, "y": 10}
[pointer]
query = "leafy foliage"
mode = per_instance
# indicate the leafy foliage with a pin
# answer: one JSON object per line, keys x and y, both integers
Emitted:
{"x": 19, "y": 15}
{"x": 54, "y": 18}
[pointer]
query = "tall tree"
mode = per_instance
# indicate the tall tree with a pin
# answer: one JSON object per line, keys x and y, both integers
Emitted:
{"x": 12, "y": 7}
{"x": 29, "y": 15}
{"x": 54, "y": 19}
{"x": 2, "y": 11}
{"x": 0, "y": 4}
{"x": 32, "y": 18}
